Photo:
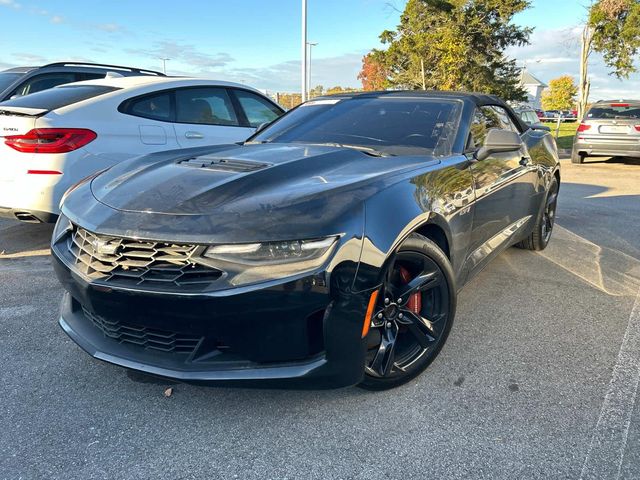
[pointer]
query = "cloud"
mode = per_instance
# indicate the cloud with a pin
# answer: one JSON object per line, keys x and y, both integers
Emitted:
{"x": 30, "y": 59}
{"x": 10, "y": 3}
{"x": 187, "y": 55}
{"x": 555, "y": 52}
{"x": 111, "y": 28}
{"x": 57, "y": 19}
{"x": 285, "y": 77}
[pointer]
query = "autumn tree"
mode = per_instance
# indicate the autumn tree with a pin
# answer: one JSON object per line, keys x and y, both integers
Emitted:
{"x": 339, "y": 89}
{"x": 613, "y": 30}
{"x": 374, "y": 73}
{"x": 456, "y": 45}
{"x": 561, "y": 94}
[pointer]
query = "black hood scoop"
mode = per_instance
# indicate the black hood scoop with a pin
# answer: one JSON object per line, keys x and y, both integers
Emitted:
{"x": 211, "y": 162}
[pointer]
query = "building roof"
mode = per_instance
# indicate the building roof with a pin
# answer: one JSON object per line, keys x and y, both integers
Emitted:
{"x": 527, "y": 79}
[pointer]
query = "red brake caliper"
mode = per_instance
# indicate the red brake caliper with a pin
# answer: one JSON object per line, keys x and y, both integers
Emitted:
{"x": 415, "y": 301}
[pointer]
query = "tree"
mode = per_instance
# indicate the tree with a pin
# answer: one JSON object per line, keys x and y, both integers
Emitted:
{"x": 316, "y": 91}
{"x": 561, "y": 94}
{"x": 338, "y": 89}
{"x": 456, "y": 45}
{"x": 374, "y": 73}
{"x": 613, "y": 30}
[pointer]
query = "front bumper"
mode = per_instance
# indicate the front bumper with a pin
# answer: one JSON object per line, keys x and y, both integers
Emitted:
{"x": 301, "y": 333}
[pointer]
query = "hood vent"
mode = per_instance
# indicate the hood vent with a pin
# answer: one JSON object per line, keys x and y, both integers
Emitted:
{"x": 223, "y": 164}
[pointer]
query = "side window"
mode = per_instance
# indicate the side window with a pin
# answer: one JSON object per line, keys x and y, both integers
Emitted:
{"x": 155, "y": 107}
{"x": 209, "y": 106}
{"x": 484, "y": 119}
{"x": 505, "y": 120}
{"x": 90, "y": 76}
{"x": 45, "y": 81}
{"x": 257, "y": 109}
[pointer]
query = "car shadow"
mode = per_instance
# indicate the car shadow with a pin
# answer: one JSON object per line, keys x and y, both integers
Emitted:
{"x": 18, "y": 239}
{"x": 587, "y": 210}
{"x": 613, "y": 160}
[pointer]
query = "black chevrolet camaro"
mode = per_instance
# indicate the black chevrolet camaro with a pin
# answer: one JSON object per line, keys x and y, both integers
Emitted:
{"x": 325, "y": 251}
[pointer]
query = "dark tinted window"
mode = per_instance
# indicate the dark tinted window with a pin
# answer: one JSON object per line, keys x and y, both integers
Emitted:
{"x": 614, "y": 110}
{"x": 505, "y": 121}
{"x": 45, "y": 81}
{"x": 209, "y": 106}
{"x": 257, "y": 109}
{"x": 394, "y": 125}
{"x": 156, "y": 107}
{"x": 59, "y": 97}
{"x": 8, "y": 78}
{"x": 484, "y": 119}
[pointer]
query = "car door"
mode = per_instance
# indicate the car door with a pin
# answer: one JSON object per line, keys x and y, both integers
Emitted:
{"x": 150, "y": 125}
{"x": 505, "y": 186}
{"x": 207, "y": 116}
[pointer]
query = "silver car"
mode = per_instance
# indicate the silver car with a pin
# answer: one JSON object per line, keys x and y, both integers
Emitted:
{"x": 610, "y": 128}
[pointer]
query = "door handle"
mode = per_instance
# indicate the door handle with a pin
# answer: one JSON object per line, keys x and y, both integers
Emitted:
{"x": 525, "y": 161}
{"x": 194, "y": 135}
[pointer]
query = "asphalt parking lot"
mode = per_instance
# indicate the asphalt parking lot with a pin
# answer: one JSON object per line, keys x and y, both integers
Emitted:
{"x": 538, "y": 378}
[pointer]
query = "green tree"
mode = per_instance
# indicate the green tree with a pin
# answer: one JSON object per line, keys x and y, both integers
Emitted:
{"x": 561, "y": 94}
{"x": 456, "y": 45}
{"x": 613, "y": 30}
{"x": 616, "y": 33}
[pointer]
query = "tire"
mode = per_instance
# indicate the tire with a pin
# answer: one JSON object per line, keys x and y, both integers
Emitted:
{"x": 577, "y": 158}
{"x": 420, "y": 272}
{"x": 539, "y": 237}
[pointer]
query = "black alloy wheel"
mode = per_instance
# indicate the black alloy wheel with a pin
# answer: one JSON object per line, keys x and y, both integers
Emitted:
{"x": 549, "y": 213}
{"x": 413, "y": 315}
{"x": 543, "y": 228}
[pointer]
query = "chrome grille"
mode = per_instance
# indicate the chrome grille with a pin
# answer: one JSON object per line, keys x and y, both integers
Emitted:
{"x": 144, "y": 337}
{"x": 137, "y": 262}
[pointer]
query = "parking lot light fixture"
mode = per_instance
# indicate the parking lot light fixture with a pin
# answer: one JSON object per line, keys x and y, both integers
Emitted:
{"x": 303, "y": 79}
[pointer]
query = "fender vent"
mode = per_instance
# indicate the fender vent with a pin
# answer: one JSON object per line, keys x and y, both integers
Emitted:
{"x": 223, "y": 164}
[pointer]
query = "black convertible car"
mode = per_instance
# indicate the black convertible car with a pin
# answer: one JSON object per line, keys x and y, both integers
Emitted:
{"x": 325, "y": 251}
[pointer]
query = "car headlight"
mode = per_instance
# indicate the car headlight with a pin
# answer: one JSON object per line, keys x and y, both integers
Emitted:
{"x": 255, "y": 262}
{"x": 63, "y": 226}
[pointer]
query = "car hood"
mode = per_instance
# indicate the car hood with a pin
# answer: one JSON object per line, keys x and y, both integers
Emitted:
{"x": 234, "y": 193}
{"x": 238, "y": 179}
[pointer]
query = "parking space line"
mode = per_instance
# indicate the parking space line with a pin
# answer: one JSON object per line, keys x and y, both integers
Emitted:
{"x": 609, "y": 440}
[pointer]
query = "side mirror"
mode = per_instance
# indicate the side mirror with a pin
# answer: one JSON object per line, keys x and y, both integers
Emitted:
{"x": 539, "y": 126}
{"x": 262, "y": 126}
{"x": 499, "y": 141}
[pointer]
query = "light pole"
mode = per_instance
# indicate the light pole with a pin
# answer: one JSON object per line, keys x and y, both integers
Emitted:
{"x": 164, "y": 64}
{"x": 303, "y": 64}
{"x": 311, "y": 45}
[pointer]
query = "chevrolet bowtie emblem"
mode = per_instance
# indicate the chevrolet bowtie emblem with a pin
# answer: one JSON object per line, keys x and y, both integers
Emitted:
{"x": 103, "y": 247}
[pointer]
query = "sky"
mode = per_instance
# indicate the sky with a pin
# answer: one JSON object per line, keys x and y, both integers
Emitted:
{"x": 257, "y": 42}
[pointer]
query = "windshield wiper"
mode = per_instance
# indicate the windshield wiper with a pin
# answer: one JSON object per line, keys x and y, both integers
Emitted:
{"x": 368, "y": 150}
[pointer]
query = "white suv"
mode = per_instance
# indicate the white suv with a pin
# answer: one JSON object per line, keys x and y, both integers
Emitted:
{"x": 52, "y": 139}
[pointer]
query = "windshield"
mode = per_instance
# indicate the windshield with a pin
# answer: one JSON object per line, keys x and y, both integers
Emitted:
{"x": 58, "y": 97}
{"x": 390, "y": 125}
{"x": 615, "y": 110}
{"x": 7, "y": 78}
